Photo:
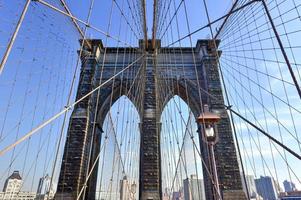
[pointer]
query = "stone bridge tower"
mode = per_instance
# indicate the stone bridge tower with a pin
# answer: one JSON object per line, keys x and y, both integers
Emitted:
{"x": 83, "y": 137}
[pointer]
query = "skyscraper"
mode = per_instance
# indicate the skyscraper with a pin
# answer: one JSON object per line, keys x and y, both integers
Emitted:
{"x": 166, "y": 194}
{"x": 176, "y": 196}
{"x": 124, "y": 192}
{"x": 45, "y": 190}
{"x": 12, "y": 185}
{"x": 12, "y": 189}
{"x": 289, "y": 186}
{"x": 194, "y": 188}
{"x": 266, "y": 188}
{"x": 250, "y": 187}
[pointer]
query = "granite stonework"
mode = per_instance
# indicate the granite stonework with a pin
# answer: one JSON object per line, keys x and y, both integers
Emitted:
{"x": 187, "y": 70}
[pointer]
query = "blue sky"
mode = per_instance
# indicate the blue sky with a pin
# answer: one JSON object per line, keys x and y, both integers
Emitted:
{"x": 38, "y": 74}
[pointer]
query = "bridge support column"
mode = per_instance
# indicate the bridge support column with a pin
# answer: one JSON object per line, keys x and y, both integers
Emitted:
{"x": 225, "y": 151}
{"x": 79, "y": 142}
{"x": 150, "y": 156}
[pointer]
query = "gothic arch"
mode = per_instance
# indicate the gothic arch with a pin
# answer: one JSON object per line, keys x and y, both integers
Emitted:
{"x": 188, "y": 92}
{"x": 109, "y": 95}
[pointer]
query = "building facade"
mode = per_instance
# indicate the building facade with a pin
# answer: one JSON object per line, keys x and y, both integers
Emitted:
{"x": 12, "y": 189}
{"x": 45, "y": 190}
{"x": 250, "y": 187}
{"x": 124, "y": 189}
{"x": 194, "y": 188}
{"x": 293, "y": 195}
{"x": 289, "y": 186}
{"x": 266, "y": 188}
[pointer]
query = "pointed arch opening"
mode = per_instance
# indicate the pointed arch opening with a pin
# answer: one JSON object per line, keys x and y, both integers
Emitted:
{"x": 182, "y": 172}
{"x": 118, "y": 166}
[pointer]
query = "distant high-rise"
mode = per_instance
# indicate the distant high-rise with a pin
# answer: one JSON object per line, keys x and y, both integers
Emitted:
{"x": 250, "y": 187}
{"x": 289, "y": 186}
{"x": 45, "y": 190}
{"x": 124, "y": 191}
{"x": 13, "y": 183}
{"x": 194, "y": 188}
{"x": 266, "y": 188}
{"x": 176, "y": 196}
{"x": 12, "y": 189}
{"x": 166, "y": 194}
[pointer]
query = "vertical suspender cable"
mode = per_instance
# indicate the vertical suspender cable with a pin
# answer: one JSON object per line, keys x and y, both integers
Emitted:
{"x": 223, "y": 83}
{"x": 14, "y": 36}
{"x": 282, "y": 48}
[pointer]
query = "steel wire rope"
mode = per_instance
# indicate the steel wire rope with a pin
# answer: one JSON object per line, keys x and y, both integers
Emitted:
{"x": 27, "y": 91}
{"x": 174, "y": 108}
{"x": 101, "y": 176}
{"x": 203, "y": 162}
{"x": 184, "y": 75}
{"x": 161, "y": 17}
{"x": 120, "y": 94}
{"x": 169, "y": 23}
{"x": 137, "y": 14}
{"x": 259, "y": 148}
{"x": 260, "y": 72}
{"x": 13, "y": 86}
{"x": 265, "y": 162}
{"x": 94, "y": 163}
{"x": 162, "y": 94}
{"x": 266, "y": 120}
{"x": 82, "y": 22}
{"x": 35, "y": 100}
{"x": 188, "y": 131}
{"x": 14, "y": 35}
{"x": 70, "y": 94}
{"x": 100, "y": 189}
{"x": 133, "y": 17}
{"x": 98, "y": 92}
{"x": 170, "y": 147}
{"x": 213, "y": 22}
{"x": 190, "y": 134}
{"x": 125, "y": 18}
{"x": 40, "y": 146}
{"x": 53, "y": 60}
{"x": 291, "y": 115}
{"x": 12, "y": 91}
{"x": 44, "y": 116}
{"x": 257, "y": 19}
{"x": 182, "y": 59}
{"x": 233, "y": 23}
{"x": 182, "y": 147}
{"x": 256, "y": 122}
{"x": 249, "y": 85}
{"x": 116, "y": 140}
{"x": 227, "y": 46}
{"x": 172, "y": 83}
{"x": 65, "y": 109}
{"x": 195, "y": 163}
{"x": 46, "y": 165}
{"x": 171, "y": 75}
{"x": 246, "y": 154}
{"x": 198, "y": 82}
{"x": 271, "y": 114}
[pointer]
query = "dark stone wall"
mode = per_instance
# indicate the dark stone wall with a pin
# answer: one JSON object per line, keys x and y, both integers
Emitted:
{"x": 150, "y": 162}
{"x": 182, "y": 77}
{"x": 75, "y": 159}
{"x": 81, "y": 144}
{"x": 225, "y": 151}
